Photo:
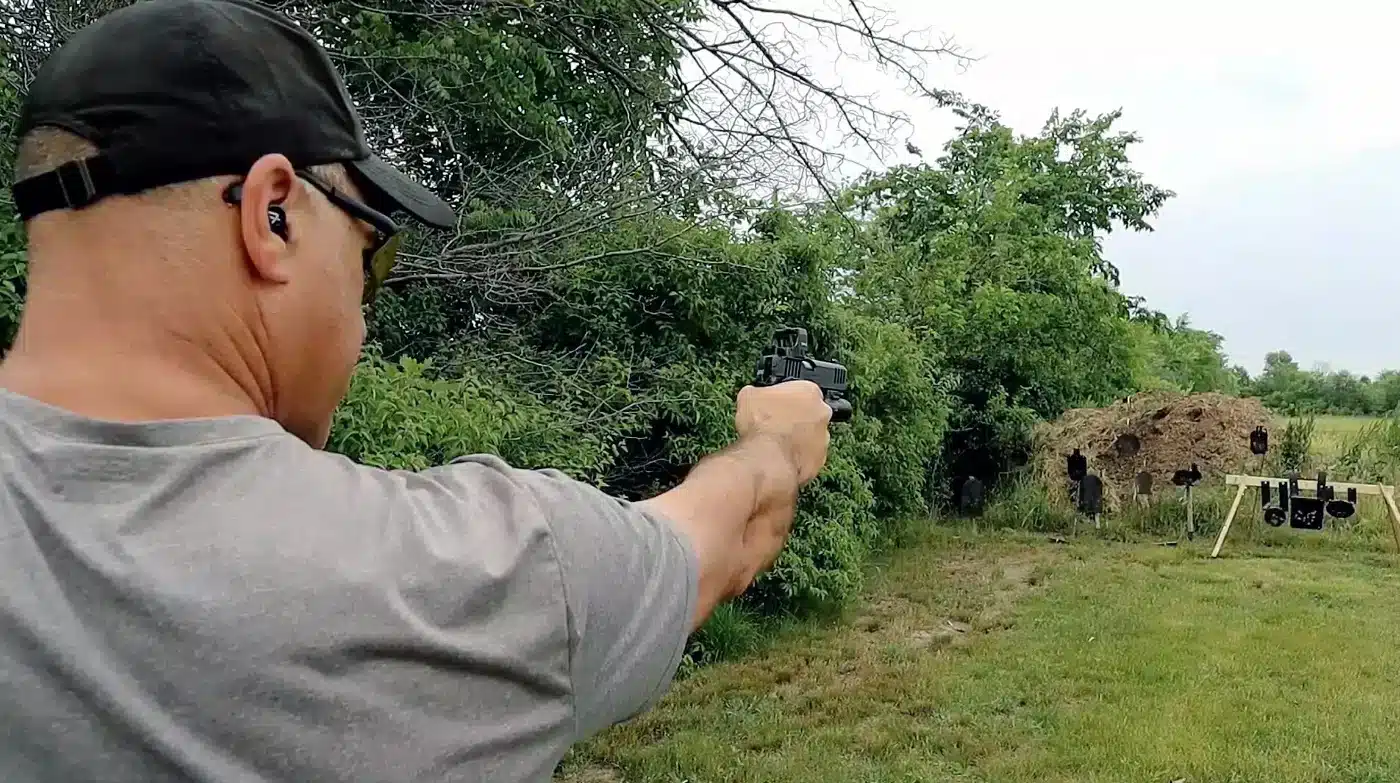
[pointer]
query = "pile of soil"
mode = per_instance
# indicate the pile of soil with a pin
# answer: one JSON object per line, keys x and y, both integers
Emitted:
{"x": 1157, "y": 432}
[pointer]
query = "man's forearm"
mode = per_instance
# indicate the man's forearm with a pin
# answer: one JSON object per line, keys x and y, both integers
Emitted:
{"x": 735, "y": 506}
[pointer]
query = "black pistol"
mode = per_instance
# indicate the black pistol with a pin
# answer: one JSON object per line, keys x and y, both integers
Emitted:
{"x": 786, "y": 360}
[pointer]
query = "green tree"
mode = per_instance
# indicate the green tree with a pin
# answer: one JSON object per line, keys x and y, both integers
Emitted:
{"x": 1288, "y": 389}
{"x": 1173, "y": 355}
{"x": 993, "y": 257}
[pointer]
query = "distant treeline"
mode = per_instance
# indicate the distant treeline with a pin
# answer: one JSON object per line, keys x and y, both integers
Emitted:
{"x": 1286, "y": 388}
{"x": 1174, "y": 355}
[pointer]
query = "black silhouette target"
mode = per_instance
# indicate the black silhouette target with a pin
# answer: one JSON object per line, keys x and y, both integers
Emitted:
{"x": 1077, "y": 466}
{"x": 971, "y": 498}
{"x": 1090, "y": 495}
{"x": 1259, "y": 442}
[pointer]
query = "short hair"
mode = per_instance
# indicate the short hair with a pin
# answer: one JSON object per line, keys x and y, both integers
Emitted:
{"x": 46, "y": 148}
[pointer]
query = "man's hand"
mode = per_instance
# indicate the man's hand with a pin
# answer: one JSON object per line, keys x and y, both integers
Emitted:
{"x": 795, "y": 415}
{"x": 736, "y": 506}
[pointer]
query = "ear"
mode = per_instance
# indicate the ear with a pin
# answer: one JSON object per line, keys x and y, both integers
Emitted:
{"x": 271, "y": 181}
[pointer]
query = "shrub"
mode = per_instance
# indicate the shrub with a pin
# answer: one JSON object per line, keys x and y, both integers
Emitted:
{"x": 399, "y": 416}
{"x": 1295, "y": 444}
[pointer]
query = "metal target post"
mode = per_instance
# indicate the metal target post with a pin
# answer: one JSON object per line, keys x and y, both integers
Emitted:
{"x": 1259, "y": 447}
{"x": 1190, "y": 514}
{"x": 1189, "y": 478}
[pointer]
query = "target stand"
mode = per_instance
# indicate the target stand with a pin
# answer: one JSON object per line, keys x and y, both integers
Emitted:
{"x": 1256, "y": 482}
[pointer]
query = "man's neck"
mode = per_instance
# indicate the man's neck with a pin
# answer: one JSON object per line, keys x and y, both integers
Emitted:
{"x": 120, "y": 326}
{"x": 116, "y": 380}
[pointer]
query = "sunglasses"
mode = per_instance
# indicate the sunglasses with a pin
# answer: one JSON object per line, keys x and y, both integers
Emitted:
{"x": 383, "y": 250}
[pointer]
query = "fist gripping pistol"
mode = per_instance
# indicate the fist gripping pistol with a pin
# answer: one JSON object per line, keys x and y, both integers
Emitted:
{"x": 786, "y": 360}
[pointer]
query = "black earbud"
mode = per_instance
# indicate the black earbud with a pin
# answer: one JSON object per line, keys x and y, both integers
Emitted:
{"x": 277, "y": 221}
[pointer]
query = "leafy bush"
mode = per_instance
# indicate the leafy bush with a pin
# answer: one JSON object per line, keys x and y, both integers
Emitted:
{"x": 399, "y": 416}
{"x": 12, "y": 271}
{"x": 901, "y": 415}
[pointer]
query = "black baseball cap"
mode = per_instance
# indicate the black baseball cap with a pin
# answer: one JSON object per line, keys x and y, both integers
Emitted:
{"x": 172, "y": 91}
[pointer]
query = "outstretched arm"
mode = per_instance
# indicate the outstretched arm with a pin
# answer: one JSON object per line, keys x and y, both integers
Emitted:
{"x": 636, "y": 578}
{"x": 736, "y": 506}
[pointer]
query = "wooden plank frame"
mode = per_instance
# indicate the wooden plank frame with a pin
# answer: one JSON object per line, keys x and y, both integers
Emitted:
{"x": 1245, "y": 482}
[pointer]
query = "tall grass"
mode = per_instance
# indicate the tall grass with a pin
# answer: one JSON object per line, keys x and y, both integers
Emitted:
{"x": 1027, "y": 506}
{"x": 1295, "y": 447}
{"x": 732, "y": 631}
{"x": 1372, "y": 454}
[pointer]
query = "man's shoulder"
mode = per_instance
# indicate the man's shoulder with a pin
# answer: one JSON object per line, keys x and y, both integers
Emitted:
{"x": 452, "y": 559}
{"x": 477, "y": 506}
{"x": 475, "y": 487}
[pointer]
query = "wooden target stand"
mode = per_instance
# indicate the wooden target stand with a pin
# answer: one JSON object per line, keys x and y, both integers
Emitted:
{"x": 1246, "y": 482}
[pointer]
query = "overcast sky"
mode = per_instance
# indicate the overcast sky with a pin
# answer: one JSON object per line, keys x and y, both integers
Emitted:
{"x": 1277, "y": 125}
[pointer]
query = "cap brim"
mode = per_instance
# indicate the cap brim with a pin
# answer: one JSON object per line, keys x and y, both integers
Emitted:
{"x": 397, "y": 189}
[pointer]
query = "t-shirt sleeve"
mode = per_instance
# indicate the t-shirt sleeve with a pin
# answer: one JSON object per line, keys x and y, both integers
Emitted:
{"x": 630, "y": 584}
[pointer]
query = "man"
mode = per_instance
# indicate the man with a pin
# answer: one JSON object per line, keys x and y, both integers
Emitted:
{"x": 190, "y": 587}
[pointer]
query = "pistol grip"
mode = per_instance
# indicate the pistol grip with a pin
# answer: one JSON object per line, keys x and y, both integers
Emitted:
{"x": 840, "y": 410}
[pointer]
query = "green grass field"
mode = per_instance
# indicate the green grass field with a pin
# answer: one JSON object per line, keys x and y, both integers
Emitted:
{"x": 1332, "y": 433}
{"x": 1003, "y": 657}
{"x": 1341, "y": 425}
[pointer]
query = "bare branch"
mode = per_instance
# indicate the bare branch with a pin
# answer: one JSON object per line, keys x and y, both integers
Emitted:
{"x": 707, "y": 98}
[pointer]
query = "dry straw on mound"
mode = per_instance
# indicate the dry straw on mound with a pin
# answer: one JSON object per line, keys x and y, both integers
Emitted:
{"x": 1157, "y": 432}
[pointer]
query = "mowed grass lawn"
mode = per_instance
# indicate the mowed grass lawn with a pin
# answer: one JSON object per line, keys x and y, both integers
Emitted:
{"x": 1009, "y": 658}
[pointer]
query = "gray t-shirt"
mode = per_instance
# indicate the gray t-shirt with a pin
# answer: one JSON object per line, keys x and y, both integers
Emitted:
{"x": 212, "y": 600}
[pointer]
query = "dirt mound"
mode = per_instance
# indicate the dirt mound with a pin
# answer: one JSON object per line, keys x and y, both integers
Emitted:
{"x": 1157, "y": 432}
